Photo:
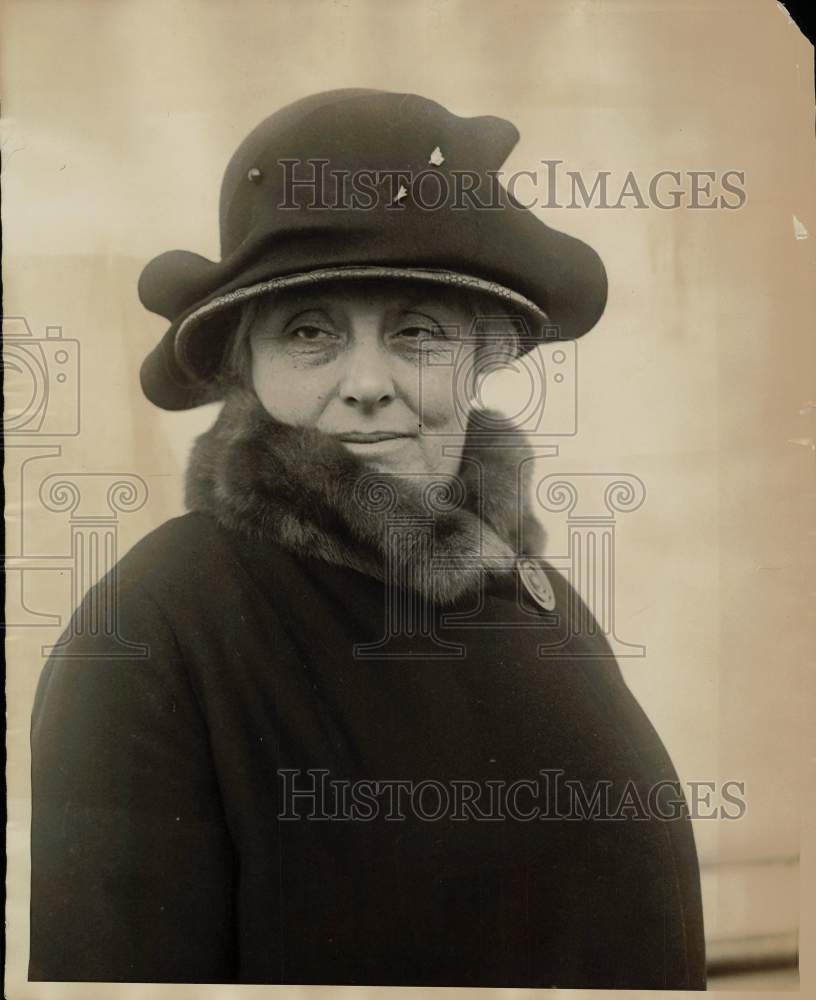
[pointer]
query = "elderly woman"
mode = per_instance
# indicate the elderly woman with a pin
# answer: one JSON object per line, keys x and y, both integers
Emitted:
{"x": 347, "y": 755}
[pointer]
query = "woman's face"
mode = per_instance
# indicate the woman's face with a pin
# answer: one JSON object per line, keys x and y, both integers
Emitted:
{"x": 373, "y": 365}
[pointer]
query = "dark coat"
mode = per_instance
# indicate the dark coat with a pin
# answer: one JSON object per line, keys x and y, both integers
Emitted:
{"x": 158, "y": 848}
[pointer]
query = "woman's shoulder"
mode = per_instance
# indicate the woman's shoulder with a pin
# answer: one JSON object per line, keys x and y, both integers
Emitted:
{"x": 174, "y": 591}
{"x": 190, "y": 551}
{"x": 189, "y": 567}
{"x": 193, "y": 535}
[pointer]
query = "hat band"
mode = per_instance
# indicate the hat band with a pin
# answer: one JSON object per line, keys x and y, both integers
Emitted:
{"x": 434, "y": 275}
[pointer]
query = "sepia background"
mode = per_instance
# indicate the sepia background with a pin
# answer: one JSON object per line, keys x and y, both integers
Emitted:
{"x": 696, "y": 388}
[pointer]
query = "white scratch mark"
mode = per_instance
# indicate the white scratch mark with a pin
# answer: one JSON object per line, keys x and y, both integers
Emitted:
{"x": 401, "y": 193}
{"x": 784, "y": 10}
{"x": 436, "y": 157}
{"x": 799, "y": 230}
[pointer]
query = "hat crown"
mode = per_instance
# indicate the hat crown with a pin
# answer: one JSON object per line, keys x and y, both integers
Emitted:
{"x": 350, "y": 130}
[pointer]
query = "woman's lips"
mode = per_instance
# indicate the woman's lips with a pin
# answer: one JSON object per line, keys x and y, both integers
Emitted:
{"x": 370, "y": 437}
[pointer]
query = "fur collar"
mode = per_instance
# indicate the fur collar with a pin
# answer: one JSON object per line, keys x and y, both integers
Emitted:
{"x": 301, "y": 489}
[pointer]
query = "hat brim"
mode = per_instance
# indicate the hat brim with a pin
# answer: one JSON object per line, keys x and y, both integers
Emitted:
{"x": 192, "y": 325}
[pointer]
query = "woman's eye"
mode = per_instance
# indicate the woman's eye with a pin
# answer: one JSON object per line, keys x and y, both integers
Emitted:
{"x": 311, "y": 333}
{"x": 421, "y": 332}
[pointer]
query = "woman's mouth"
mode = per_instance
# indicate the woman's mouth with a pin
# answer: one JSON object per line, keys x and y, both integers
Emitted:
{"x": 370, "y": 437}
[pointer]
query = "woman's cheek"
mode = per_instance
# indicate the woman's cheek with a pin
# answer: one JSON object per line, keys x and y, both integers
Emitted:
{"x": 440, "y": 408}
{"x": 284, "y": 394}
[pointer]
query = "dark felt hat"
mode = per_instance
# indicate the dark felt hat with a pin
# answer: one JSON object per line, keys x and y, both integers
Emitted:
{"x": 364, "y": 183}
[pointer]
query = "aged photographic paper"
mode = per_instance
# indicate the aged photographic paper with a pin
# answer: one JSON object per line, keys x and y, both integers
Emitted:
{"x": 206, "y": 641}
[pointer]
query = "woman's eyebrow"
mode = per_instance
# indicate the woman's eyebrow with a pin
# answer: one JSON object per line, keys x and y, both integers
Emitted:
{"x": 439, "y": 316}
{"x": 272, "y": 326}
{"x": 298, "y": 313}
{"x": 426, "y": 307}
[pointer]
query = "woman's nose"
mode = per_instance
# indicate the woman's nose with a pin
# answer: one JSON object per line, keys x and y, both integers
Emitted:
{"x": 367, "y": 380}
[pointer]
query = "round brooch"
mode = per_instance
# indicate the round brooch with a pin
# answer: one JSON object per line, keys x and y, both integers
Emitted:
{"x": 537, "y": 583}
